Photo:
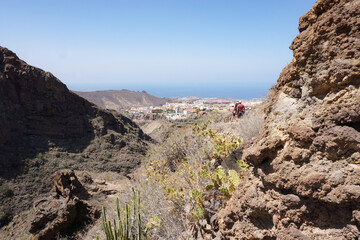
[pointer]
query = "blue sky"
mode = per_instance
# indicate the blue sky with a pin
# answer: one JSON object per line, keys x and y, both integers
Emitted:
{"x": 220, "y": 48}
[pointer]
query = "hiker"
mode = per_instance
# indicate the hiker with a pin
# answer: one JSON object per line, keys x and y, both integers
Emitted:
{"x": 234, "y": 111}
{"x": 240, "y": 109}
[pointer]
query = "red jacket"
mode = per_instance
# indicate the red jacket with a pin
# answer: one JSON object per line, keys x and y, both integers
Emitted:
{"x": 240, "y": 107}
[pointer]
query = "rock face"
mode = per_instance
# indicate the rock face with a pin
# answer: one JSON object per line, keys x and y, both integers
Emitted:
{"x": 34, "y": 102}
{"x": 305, "y": 179}
{"x": 44, "y": 127}
{"x": 64, "y": 210}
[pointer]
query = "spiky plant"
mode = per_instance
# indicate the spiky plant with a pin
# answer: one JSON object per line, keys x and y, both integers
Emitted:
{"x": 128, "y": 224}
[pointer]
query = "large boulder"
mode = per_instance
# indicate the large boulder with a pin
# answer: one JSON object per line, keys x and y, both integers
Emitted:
{"x": 305, "y": 177}
{"x": 64, "y": 210}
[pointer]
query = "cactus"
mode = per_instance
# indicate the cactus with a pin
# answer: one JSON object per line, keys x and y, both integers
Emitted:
{"x": 128, "y": 226}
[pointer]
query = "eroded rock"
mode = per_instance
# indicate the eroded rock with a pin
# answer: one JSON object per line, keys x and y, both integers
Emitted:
{"x": 64, "y": 210}
{"x": 305, "y": 179}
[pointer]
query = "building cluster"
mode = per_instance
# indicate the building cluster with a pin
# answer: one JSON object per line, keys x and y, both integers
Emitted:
{"x": 186, "y": 108}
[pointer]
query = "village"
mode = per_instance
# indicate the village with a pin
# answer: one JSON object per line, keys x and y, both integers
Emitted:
{"x": 183, "y": 108}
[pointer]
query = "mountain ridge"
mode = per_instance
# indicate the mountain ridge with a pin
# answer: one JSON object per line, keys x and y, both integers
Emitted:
{"x": 44, "y": 127}
{"x": 119, "y": 100}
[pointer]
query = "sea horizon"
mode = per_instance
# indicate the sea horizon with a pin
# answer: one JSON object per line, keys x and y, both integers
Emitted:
{"x": 228, "y": 91}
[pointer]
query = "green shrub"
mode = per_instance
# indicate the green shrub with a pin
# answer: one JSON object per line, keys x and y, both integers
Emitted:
{"x": 79, "y": 159}
{"x": 197, "y": 171}
{"x": 98, "y": 144}
{"x": 3, "y": 217}
{"x": 223, "y": 144}
{"x": 106, "y": 146}
{"x": 242, "y": 164}
{"x": 41, "y": 156}
{"x": 5, "y": 190}
{"x": 179, "y": 177}
{"x": 108, "y": 155}
{"x": 99, "y": 119}
{"x": 175, "y": 150}
{"x": 63, "y": 164}
{"x": 224, "y": 181}
{"x": 92, "y": 148}
{"x": 24, "y": 169}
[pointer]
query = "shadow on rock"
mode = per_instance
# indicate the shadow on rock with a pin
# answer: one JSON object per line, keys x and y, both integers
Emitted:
{"x": 65, "y": 210}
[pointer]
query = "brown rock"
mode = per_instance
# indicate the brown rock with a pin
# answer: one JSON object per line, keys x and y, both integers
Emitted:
{"x": 356, "y": 216}
{"x": 344, "y": 194}
{"x": 338, "y": 142}
{"x": 305, "y": 183}
{"x": 66, "y": 184}
{"x": 64, "y": 210}
{"x": 301, "y": 134}
{"x": 290, "y": 200}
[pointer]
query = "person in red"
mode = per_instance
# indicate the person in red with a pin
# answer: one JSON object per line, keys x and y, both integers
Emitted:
{"x": 240, "y": 109}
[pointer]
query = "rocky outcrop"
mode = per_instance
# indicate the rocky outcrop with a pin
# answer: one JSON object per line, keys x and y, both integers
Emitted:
{"x": 64, "y": 210}
{"x": 305, "y": 177}
{"x": 44, "y": 127}
{"x": 34, "y": 102}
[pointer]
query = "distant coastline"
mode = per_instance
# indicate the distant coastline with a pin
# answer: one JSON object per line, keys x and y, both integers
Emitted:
{"x": 228, "y": 91}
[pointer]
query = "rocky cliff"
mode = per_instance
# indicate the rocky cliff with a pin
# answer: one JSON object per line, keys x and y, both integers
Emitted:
{"x": 45, "y": 127}
{"x": 305, "y": 179}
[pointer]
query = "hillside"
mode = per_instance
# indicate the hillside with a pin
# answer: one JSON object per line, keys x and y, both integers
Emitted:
{"x": 305, "y": 177}
{"x": 44, "y": 127}
{"x": 121, "y": 99}
{"x": 289, "y": 168}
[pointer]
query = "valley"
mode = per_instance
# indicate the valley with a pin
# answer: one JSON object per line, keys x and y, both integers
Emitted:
{"x": 129, "y": 165}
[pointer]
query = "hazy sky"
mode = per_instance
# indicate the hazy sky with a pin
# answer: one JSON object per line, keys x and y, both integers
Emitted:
{"x": 229, "y": 48}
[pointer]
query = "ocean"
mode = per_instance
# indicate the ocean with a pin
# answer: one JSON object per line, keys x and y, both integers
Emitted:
{"x": 240, "y": 91}
{"x": 249, "y": 90}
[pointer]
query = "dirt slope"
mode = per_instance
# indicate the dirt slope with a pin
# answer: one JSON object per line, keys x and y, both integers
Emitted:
{"x": 305, "y": 180}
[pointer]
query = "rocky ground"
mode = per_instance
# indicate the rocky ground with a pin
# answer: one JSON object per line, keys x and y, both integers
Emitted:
{"x": 305, "y": 177}
{"x": 71, "y": 209}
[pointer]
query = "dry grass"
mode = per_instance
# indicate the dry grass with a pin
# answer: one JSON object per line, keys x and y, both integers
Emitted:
{"x": 158, "y": 212}
{"x": 247, "y": 127}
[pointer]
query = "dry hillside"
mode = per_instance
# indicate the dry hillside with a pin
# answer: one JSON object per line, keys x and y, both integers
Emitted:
{"x": 121, "y": 99}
